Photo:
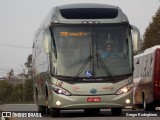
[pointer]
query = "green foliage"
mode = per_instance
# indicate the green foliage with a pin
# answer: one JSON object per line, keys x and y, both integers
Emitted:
{"x": 28, "y": 90}
{"x": 16, "y": 93}
{"x": 5, "y": 91}
{"x": 152, "y": 34}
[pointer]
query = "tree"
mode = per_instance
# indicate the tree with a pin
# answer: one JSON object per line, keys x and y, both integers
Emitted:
{"x": 152, "y": 34}
{"x": 10, "y": 74}
{"x": 28, "y": 65}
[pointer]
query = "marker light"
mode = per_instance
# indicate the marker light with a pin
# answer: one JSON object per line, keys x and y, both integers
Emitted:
{"x": 58, "y": 103}
{"x": 60, "y": 90}
{"x": 128, "y": 101}
{"x": 90, "y": 22}
{"x": 96, "y": 22}
{"x": 124, "y": 89}
{"x": 56, "y": 21}
{"x": 84, "y": 22}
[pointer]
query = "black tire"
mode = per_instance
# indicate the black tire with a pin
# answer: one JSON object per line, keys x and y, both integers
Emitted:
{"x": 36, "y": 96}
{"x": 150, "y": 107}
{"x": 116, "y": 111}
{"x": 134, "y": 107}
{"x": 147, "y": 106}
{"x": 48, "y": 111}
{"x": 54, "y": 112}
{"x": 144, "y": 104}
{"x": 42, "y": 109}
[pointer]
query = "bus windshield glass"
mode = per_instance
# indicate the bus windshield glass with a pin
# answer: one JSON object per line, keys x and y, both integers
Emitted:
{"x": 108, "y": 48}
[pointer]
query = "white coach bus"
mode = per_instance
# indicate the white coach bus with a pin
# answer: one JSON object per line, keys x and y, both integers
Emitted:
{"x": 147, "y": 78}
{"x": 69, "y": 71}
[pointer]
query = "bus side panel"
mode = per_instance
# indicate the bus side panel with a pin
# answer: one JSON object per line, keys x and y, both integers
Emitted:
{"x": 40, "y": 68}
{"x": 143, "y": 80}
{"x": 156, "y": 76}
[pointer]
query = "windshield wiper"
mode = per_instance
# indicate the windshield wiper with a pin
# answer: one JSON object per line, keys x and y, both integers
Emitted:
{"x": 83, "y": 66}
{"x": 104, "y": 66}
{"x": 102, "y": 63}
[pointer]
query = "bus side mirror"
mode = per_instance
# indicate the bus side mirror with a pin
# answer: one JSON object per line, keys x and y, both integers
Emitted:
{"x": 47, "y": 41}
{"x": 135, "y": 39}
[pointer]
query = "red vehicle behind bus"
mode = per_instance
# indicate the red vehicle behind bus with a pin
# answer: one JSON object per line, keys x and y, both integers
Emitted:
{"x": 147, "y": 79}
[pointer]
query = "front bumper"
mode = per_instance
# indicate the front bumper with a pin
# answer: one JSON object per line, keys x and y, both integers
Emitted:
{"x": 80, "y": 102}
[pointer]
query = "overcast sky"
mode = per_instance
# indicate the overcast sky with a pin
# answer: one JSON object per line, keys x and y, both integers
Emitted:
{"x": 19, "y": 19}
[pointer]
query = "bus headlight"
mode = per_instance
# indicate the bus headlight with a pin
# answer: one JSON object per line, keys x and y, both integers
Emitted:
{"x": 124, "y": 89}
{"x": 60, "y": 90}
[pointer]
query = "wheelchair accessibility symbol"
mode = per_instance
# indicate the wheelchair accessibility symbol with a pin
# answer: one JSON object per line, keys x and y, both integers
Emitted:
{"x": 89, "y": 74}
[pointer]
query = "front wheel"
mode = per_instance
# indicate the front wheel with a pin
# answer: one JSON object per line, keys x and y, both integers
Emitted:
{"x": 150, "y": 107}
{"x": 116, "y": 111}
{"x": 147, "y": 106}
{"x": 42, "y": 109}
{"x": 54, "y": 112}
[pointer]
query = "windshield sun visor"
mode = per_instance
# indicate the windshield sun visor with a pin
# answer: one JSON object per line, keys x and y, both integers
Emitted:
{"x": 89, "y": 13}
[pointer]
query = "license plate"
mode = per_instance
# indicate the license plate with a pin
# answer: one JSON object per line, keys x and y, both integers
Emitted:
{"x": 93, "y": 99}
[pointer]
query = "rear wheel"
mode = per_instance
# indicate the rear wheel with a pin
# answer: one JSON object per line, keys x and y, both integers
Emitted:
{"x": 36, "y": 96}
{"x": 47, "y": 109}
{"x": 54, "y": 112}
{"x": 116, "y": 111}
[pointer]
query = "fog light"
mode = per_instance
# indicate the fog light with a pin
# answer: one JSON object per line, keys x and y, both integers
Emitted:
{"x": 128, "y": 101}
{"x": 58, "y": 103}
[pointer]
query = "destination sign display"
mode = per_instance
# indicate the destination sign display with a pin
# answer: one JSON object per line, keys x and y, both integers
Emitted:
{"x": 66, "y": 34}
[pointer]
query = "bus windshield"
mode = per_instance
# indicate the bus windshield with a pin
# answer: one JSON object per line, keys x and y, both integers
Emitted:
{"x": 106, "y": 48}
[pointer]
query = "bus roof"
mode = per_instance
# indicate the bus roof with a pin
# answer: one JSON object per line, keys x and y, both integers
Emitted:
{"x": 78, "y": 13}
{"x": 148, "y": 51}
